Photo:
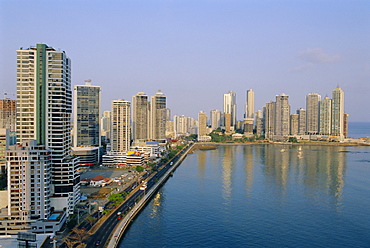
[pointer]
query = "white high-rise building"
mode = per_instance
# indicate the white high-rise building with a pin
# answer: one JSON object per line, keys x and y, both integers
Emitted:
{"x": 301, "y": 121}
{"x": 337, "y": 113}
{"x": 230, "y": 108}
{"x": 215, "y": 119}
{"x": 325, "y": 116}
{"x": 312, "y": 113}
{"x": 105, "y": 125}
{"x": 282, "y": 115}
{"x": 121, "y": 131}
{"x": 249, "y": 106}
{"x": 29, "y": 172}
{"x": 44, "y": 107}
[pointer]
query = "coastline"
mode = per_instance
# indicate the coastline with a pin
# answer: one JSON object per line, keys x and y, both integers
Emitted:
{"x": 213, "y": 145}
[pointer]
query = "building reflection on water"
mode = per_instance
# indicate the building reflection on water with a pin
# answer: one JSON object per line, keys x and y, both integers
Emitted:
{"x": 319, "y": 169}
{"x": 228, "y": 163}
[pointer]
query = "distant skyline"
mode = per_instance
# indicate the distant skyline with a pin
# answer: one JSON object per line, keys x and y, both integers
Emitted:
{"x": 196, "y": 51}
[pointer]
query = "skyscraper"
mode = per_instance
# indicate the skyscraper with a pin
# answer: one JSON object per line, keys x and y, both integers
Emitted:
{"x": 140, "y": 117}
{"x": 121, "y": 134}
{"x": 44, "y": 107}
{"x": 215, "y": 117}
{"x": 269, "y": 119}
{"x": 86, "y": 115}
{"x": 106, "y": 125}
{"x": 230, "y": 108}
{"x": 301, "y": 121}
{"x": 312, "y": 113}
{"x": 158, "y": 116}
{"x": 29, "y": 167}
{"x": 249, "y": 108}
{"x": 202, "y": 126}
{"x": 8, "y": 114}
{"x": 325, "y": 116}
{"x": 294, "y": 124}
{"x": 337, "y": 112}
{"x": 282, "y": 115}
{"x": 249, "y": 113}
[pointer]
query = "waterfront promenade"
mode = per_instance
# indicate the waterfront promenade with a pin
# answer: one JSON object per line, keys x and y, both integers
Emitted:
{"x": 122, "y": 226}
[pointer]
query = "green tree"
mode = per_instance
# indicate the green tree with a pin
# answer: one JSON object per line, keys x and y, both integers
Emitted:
{"x": 107, "y": 211}
{"x": 192, "y": 137}
{"x": 293, "y": 139}
{"x": 139, "y": 168}
{"x": 116, "y": 199}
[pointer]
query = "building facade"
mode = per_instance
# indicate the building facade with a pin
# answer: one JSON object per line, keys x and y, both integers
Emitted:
{"x": 140, "y": 117}
{"x": 282, "y": 115}
{"x": 325, "y": 116}
{"x": 230, "y": 108}
{"x": 44, "y": 107}
{"x": 337, "y": 113}
{"x": 202, "y": 126}
{"x": 86, "y": 115}
{"x": 312, "y": 113}
{"x": 158, "y": 117}
{"x": 121, "y": 130}
{"x": 301, "y": 121}
{"x": 8, "y": 114}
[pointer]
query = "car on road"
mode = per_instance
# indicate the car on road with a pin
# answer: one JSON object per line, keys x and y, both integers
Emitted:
{"x": 119, "y": 217}
{"x": 97, "y": 243}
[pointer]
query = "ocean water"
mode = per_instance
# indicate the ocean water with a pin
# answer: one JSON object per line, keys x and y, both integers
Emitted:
{"x": 358, "y": 129}
{"x": 261, "y": 196}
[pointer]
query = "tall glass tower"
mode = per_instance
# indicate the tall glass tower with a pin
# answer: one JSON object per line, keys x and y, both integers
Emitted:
{"x": 86, "y": 115}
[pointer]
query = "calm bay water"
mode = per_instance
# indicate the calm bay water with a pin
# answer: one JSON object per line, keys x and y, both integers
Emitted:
{"x": 358, "y": 129}
{"x": 261, "y": 196}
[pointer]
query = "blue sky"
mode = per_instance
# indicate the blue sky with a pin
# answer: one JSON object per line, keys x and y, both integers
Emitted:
{"x": 195, "y": 51}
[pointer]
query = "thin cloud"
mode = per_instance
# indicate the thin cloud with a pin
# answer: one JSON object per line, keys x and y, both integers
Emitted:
{"x": 300, "y": 68}
{"x": 318, "y": 56}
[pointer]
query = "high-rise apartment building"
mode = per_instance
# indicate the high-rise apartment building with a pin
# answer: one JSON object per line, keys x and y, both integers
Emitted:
{"x": 337, "y": 112}
{"x": 8, "y": 114}
{"x": 202, "y": 126}
{"x": 140, "y": 117}
{"x": 215, "y": 117}
{"x": 294, "y": 124}
{"x": 325, "y": 116}
{"x": 249, "y": 107}
{"x": 121, "y": 131}
{"x": 158, "y": 117}
{"x": 230, "y": 108}
{"x": 44, "y": 108}
{"x": 86, "y": 115}
{"x": 248, "y": 124}
{"x": 301, "y": 121}
{"x": 29, "y": 173}
{"x": 312, "y": 113}
{"x": 345, "y": 126}
{"x": 105, "y": 125}
{"x": 282, "y": 115}
{"x": 269, "y": 119}
{"x": 4, "y": 143}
